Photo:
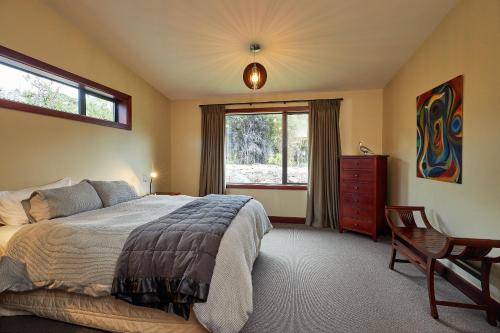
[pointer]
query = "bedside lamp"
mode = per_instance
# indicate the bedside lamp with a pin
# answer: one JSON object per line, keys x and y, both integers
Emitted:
{"x": 153, "y": 175}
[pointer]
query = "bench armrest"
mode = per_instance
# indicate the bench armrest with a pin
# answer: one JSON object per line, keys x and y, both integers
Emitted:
{"x": 473, "y": 248}
{"x": 405, "y": 213}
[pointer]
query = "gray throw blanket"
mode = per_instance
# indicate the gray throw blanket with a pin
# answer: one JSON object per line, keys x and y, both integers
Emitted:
{"x": 168, "y": 263}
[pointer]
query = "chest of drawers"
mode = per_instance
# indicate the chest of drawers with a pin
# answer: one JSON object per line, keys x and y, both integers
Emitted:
{"x": 363, "y": 188}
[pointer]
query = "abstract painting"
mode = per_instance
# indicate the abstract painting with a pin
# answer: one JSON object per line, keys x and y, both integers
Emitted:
{"x": 439, "y": 132}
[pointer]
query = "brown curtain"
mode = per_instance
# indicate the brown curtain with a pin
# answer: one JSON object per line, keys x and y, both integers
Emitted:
{"x": 212, "y": 150}
{"x": 324, "y": 153}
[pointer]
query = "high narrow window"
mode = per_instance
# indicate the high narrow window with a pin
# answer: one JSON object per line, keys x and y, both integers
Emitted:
{"x": 24, "y": 87}
{"x": 267, "y": 148}
{"x": 27, "y": 84}
{"x": 99, "y": 107}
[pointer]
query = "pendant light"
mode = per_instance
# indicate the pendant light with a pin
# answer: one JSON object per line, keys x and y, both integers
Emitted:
{"x": 255, "y": 74}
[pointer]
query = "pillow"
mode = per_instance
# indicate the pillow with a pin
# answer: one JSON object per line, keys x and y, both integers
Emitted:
{"x": 6, "y": 233}
{"x": 115, "y": 192}
{"x": 61, "y": 202}
{"x": 2, "y": 193}
{"x": 11, "y": 210}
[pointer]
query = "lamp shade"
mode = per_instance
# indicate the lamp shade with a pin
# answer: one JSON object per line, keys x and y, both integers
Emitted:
{"x": 254, "y": 76}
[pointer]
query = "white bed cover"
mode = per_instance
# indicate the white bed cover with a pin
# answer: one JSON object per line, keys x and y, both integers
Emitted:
{"x": 78, "y": 254}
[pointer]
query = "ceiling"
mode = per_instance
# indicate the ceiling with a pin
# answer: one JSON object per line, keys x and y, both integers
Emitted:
{"x": 198, "y": 48}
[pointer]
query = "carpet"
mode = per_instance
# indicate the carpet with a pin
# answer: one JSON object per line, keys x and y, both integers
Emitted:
{"x": 314, "y": 280}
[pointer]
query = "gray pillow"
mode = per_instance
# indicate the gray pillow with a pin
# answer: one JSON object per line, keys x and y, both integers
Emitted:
{"x": 114, "y": 192}
{"x": 61, "y": 202}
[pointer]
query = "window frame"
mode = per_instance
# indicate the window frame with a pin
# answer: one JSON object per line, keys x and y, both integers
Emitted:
{"x": 284, "y": 111}
{"x": 122, "y": 102}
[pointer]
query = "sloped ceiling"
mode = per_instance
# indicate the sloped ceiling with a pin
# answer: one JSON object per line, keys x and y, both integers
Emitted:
{"x": 195, "y": 48}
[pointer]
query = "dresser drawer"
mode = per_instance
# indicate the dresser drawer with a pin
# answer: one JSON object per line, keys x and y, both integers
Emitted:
{"x": 363, "y": 225}
{"x": 354, "y": 187}
{"x": 357, "y": 199}
{"x": 357, "y": 163}
{"x": 357, "y": 211}
{"x": 363, "y": 175}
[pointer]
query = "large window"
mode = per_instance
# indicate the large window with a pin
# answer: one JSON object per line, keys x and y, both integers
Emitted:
{"x": 267, "y": 148}
{"x": 27, "y": 84}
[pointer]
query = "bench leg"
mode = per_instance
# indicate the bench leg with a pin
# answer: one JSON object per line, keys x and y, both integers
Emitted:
{"x": 393, "y": 257}
{"x": 485, "y": 286}
{"x": 431, "y": 263}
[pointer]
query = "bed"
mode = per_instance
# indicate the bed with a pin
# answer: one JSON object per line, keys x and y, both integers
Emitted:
{"x": 71, "y": 262}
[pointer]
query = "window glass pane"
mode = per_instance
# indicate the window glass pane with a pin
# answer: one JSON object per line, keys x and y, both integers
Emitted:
{"x": 20, "y": 86}
{"x": 297, "y": 147}
{"x": 99, "y": 108}
{"x": 253, "y": 149}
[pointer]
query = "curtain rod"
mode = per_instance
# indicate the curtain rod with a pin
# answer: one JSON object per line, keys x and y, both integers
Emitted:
{"x": 273, "y": 102}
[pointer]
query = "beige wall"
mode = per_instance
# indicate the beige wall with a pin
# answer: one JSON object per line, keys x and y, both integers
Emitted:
{"x": 361, "y": 119}
{"x": 36, "y": 149}
{"x": 467, "y": 42}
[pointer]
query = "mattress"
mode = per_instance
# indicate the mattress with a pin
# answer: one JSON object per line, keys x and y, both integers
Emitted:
{"x": 77, "y": 256}
{"x": 105, "y": 313}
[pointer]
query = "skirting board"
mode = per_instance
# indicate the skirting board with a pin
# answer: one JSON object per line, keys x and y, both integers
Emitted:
{"x": 464, "y": 286}
{"x": 287, "y": 219}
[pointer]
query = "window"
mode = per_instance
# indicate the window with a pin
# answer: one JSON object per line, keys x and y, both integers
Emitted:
{"x": 297, "y": 147}
{"x": 101, "y": 108}
{"x": 27, "y": 84}
{"x": 267, "y": 148}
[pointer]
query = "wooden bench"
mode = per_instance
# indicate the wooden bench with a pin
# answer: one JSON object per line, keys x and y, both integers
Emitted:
{"x": 424, "y": 245}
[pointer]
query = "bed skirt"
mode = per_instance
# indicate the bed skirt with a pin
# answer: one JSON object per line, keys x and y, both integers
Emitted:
{"x": 105, "y": 313}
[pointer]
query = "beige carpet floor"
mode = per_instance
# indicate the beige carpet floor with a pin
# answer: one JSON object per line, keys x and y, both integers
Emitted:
{"x": 310, "y": 280}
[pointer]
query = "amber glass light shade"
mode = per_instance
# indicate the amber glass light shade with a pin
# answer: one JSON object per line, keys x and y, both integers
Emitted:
{"x": 254, "y": 76}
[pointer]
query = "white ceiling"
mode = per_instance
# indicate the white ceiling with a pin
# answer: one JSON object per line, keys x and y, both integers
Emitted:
{"x": 195, "y": 48}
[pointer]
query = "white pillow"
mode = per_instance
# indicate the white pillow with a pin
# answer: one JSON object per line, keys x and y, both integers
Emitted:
{"x": 11, "y": 210}
{"x": 6, "y": 233}
{"x": 2, "y": 193}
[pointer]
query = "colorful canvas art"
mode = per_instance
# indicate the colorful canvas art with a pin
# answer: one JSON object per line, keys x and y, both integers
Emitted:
{"x": 439, "y": 132}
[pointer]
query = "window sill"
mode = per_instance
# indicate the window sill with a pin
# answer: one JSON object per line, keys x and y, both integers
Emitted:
{"x": 12, "y": 105}
{"x": 268, "y": 186}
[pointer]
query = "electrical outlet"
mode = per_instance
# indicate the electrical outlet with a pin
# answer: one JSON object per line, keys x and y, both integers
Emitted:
{"x": 145, "y": 178}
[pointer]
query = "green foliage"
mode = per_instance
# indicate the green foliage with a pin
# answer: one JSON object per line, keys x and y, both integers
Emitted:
{"x": 99, "y": 108}
{"x": 254, "y": 139}
{"x": 257, "y": 139}
{"x": 46, "y": 93}
{"x": 298, "y": 143}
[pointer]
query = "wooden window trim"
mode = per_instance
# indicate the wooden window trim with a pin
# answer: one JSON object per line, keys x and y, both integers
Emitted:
{"x": 274, "y": 109}
{"x": 123, "y": 102}
{"x": 284, "y": 110}
{"x": 301, "y": 187}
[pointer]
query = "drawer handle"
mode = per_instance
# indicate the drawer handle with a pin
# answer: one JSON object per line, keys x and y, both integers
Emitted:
{"x": 356, "y": 187}
{"x": 356, "y": 175}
